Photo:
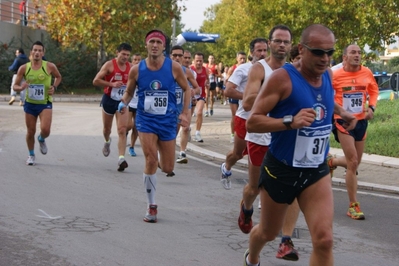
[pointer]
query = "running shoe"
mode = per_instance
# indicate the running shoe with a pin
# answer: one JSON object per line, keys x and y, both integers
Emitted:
{"x": 245, "y": 258}
{"x": 132, "y": 152}
{"x": 225, "y": 179}
{"x": 31, "y": 160}
{"x": 330, "y": 158}
{"x": 182, "y": 158}
{"x": 286, "y": 251}
{"x": 170, "y": 174}
{"x": 122, "y": 164}
{"x": 43, "y": 146}
{"x": 151, "y": 215}
{"x": 211, "y": 112}
{"x": 206, "y": 114}
{"x": 245, "y": 219}
{"x": 12, "y": 100}
{"x": 21, "y": 103}
{"x": 198, "y": 137}
{"x": 107, "y": 148}
{"x": 259, "y": 205}
{"x": 354, "y": 211}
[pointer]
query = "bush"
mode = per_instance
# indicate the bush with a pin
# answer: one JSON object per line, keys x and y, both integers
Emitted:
{"x": 77, "y": 66}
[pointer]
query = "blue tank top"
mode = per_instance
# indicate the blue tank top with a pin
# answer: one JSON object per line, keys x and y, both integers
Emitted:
{"x": 306, "y": 147}
{"x": 156, "y": 90}
{"x": 179, "y": 94}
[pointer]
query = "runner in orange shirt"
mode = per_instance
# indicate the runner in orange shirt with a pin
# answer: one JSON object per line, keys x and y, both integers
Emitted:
{"x": 353, "y": 85}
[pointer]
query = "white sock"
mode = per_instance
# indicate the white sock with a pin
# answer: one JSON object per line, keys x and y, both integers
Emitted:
{"x": 150, "y": 183}
{"x": 197, "y": 132}
{"x": 251, "y": 264}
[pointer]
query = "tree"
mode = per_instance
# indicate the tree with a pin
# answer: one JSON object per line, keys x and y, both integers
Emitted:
{"x": 103, "y": 24}
{"x": 372, "y": 22}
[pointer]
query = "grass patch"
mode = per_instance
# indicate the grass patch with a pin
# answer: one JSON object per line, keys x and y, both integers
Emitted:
{"x": 382, "y": 132}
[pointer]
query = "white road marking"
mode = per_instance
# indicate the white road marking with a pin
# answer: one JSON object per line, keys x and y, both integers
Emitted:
{"x": 47, "y": 216}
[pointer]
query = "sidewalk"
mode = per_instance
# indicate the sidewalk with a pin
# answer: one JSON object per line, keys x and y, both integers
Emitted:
{"x": 376, "y": 172}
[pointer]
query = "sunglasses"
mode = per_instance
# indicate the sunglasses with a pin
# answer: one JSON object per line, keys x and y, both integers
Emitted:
{"x": 319, "y": 52}
{"x": 177, "y": 55}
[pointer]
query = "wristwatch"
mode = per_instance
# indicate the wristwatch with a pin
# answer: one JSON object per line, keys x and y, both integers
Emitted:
{"x": 287, "y": 120}
{"x": 372, "y": 108}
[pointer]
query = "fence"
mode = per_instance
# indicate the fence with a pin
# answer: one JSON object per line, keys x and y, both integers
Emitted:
{"x": 32, "y": 15}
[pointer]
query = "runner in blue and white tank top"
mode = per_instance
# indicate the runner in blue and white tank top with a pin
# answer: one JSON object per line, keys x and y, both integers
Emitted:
{"x": 299, "y": 101}
{"x": 156, "y": 121}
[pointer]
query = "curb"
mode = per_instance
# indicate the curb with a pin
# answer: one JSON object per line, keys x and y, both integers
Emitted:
{"x": 382, "y": 161}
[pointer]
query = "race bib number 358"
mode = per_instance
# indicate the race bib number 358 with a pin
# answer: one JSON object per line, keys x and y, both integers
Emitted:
{"x": 156, "y": 102}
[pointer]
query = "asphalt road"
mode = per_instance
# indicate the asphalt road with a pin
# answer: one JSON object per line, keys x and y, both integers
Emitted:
{"x": 74, "y": 208}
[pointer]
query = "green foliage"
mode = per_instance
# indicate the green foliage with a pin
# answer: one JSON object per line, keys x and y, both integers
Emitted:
{"x": 371, "y": 22}
{"x": 382, "y": 132}
{"x": 77, "y": 66}
{"x": 101, "y": 25}
{"x": 7, "y": 56}
{"x": 394, "y": 62}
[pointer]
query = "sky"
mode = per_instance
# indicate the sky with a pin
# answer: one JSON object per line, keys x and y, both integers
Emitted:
{"x": 194, "y": 15}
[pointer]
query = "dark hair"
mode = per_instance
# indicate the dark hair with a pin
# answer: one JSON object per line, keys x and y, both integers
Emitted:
{"x": 241, "y": 53}
{"x": 37, "y": 43}
{"x": 255, "y": 41}
{"x": 279, "y": 27}
{"x": 151, "y": 31}
{"x": 21, "y": 51}
{"x": 137, "y": 54}
{"x": 124, "y": 46}
{"x": 199, "y": 54}
{"x": 176, "y": 47}
{"x": 294, "y": 52}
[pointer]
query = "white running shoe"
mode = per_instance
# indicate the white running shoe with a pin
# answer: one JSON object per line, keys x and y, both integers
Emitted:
{"x": 43, "y": 146}
{"x": 225, "y": 179}
{"x": 198, "y": 137}
{"x": 31, "y": 160}
{"x": 122, "y": 164}
{"x": 107, "y": 148}
{"x": 182, "y": 158}
{"x": 151, "y": 215}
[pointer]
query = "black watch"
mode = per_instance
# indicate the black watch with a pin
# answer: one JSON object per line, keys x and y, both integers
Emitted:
{"x": 372, "y": 108}
{"x": 287, "y": 121}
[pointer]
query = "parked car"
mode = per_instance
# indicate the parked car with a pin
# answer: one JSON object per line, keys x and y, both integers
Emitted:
{"x": 385, "y": 90}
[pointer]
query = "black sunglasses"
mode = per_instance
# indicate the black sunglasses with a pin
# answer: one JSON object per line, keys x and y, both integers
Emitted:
{"x": 319, "y": 52}
{"x": 177, "y": 55}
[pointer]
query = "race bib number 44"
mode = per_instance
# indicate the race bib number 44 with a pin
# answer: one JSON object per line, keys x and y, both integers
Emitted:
{"x": 156, "y": 102}
{"x": 117, "y": 93}
{"x": 311, "y": 145}
{"x": 36, "y": 92}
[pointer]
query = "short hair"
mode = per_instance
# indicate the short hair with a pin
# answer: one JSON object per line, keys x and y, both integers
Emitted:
{"x": 279, "y": 27}
{"x": 124, "y": 46}
{"x": 21, "y": 51}
{"x": 255, "y": 41}
{"x": 319, "y": 28}
{"x": 199, "y": 54}
{"x": 294, "y": 52}
{"x": 37, "y": 43}
{"x": 345, "y": 51}
{"x": 137, "y": 54}
{"x": 241, "y": 53}
{"x": 176, "y": 47}
{"x": 187, "y": 51}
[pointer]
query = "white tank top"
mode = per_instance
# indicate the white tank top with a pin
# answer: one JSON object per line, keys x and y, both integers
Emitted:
{"x": 262, "y": 139}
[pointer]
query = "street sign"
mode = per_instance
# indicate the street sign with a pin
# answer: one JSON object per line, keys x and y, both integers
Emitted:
{"x": 196, "y": 37}
{"x": 394, "y": 81}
